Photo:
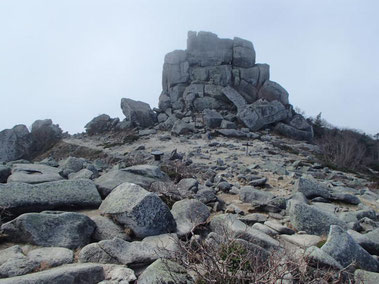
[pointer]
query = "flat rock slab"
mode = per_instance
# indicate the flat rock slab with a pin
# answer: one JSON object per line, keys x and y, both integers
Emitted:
{"x": 60, "y": 229}
{"x": 18, "y": 198}
{"x": 86, "y": 273}
{"x": 34, "y": 173}
{"x": 52, "y": 256}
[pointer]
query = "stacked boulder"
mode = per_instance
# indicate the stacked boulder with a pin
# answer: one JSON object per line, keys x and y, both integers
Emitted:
{"x": 221, "y": 75}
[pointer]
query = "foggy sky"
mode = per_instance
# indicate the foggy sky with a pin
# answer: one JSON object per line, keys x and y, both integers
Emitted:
{"x": 72, "y": 60}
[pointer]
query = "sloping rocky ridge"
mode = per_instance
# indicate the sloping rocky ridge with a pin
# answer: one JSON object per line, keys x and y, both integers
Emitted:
{"x": 98, "y": 208}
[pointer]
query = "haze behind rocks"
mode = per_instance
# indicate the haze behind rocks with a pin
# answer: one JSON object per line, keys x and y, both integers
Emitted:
{"x": 72, "y": 61}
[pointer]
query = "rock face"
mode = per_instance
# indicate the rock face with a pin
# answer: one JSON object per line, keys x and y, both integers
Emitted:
{"x": 138, "y": 113}
{"x": 18, "y": 198}
{"x": 67, "y": 229}
{"x": 15, "y": 143}
{"x": 143, "y": 212}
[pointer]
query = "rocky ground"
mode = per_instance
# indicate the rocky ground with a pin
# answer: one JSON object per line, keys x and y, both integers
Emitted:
{"x": 90, "y": 222}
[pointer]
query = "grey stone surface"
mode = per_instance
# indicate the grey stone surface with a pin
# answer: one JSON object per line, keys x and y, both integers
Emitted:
{"x": 106, "y": 229}
{"x": 262, "y": 113}
{"x": 5, "y": 172}
{"x": 238, "y": 100}
{"x": 44, "y": 135}
{"x": 292, "y": 132}
{"x": 272, "y": 91}
{"x": 206, "y": 49}
{"x": 17, "y": 266}
{"x": 143, "y": 175}
{"x": 143, "y": 212}
{"x": 20, "y": 198}
{"x": 115, "y": 274}
{"x": 188, "y": 213}
{"x": 212, "y": 118}
{"x": 15, "y": 143}
{"x": 101, "y": 124}
{"x": 311, "y": 219}
{"x": 341, "y": 246}
{"x": 180, "y": 127}
{"x": 243, "y": 53}
{"x": 187, "y": 187}
{"x": 311, "y": 188}
{"x": 281, "y": 229}
{"x": 138, "y": 113}
{"x": 226, "y": 224}
{"x": 319, "y": 258}
{"x": 250, "y": 194}
{"x": 52, "y": 256}
{"x": 366, "y": 277}
{"x": 87, "y": 273}
{"x": 72, "y": 165}
{"x": 95, "y": 254}
{"x": 165, "y": 272}
{"x": 34, "y": 173}
{"x": 65, "y": 229}
{"x": 82, "y": 174}
{"x": 11, "y": 252}
{"x": 303, "y": 240}
{"x": 364, "y": 241}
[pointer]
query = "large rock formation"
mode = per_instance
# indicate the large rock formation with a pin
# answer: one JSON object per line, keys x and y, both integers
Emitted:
{"x": 222, "y": 75}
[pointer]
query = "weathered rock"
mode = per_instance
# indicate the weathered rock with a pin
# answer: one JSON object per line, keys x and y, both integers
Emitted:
{"x": 272, "y": 91}
{"x": 164, "y": 272}
{"x": 366, "y": 277}
{"x": 5, "y": 172}
{"x": 143, "y": 212}
{"x": 250, "y": 194}
{"x": 82, "y": 174}
{"x": 225, "y": 224}
{"x": 212, "y": 118}
{"x": 34, "y": 173}
{"x": 243, "y": 53}
{"x": 262, "y": 113}
{"x": 253, "y": 218}
{"x": 180, "y": 128}
{"x": 101, "y": 124}
{"x": 18, "y": 198}
{"x": 318, "y": 258}
{"x": 292, "y": 132}
{"x": 51, "y": 257}
{"x": 311, "y": 188}
{"x": 235, "y": 98}
{"x": 281, "y": 229}
{"x": 87, "y": 273}
{"x": 364, "y": 241}
{"x": 232, "y": 133}
{"x": 63, "y": 229}
{"x": 345, "y": 250}
{"x": 44, "y": 135}
{"x": 72, "y": 165}
{"x": 95, "y": 254}
{"x": 11, "y": 252}
{"x": 188, "y": 213}
{"x": 187, "y": 187}
{"x": 303, "y": 240}
{"x": 138, "y": 113}
{"x": 206, "y": 49}
{"x": 206, "y": 195}
{"x": 143, "y": 175}
{"x": 15, "y": 143}
{"x": 106, "y": 229}
{"x": 311, "y": 219}
{"x": 115, "y": 274}
{"x": 17, "y": 266}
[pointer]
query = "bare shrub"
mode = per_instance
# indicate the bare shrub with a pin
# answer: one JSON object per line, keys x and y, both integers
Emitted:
{"x": 233, "y": 261}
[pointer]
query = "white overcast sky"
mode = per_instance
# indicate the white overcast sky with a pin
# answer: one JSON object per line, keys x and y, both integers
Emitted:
{"x": 71, "y": 60}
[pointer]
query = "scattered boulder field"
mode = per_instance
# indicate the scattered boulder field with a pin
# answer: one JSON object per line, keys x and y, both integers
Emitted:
{"x": 223, "y": 156}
